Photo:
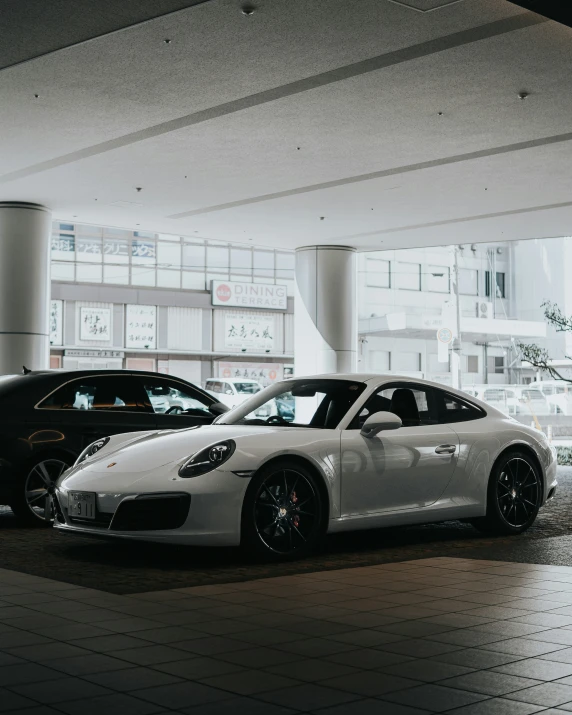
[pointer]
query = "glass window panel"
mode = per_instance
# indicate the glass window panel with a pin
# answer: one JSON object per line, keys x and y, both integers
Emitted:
{"x": 89, "y": 273}
{"x": 66, "y": 227}
{"x": 63, "y": 271}
{"x": 63, "y": 247}
{"x": 378, "y": 273}
{"x": 215, "y": 277}
{"x": 116, "y": 274}
{"x": 438, "y": 279}
{"x": 217, "y": 256}
{"x": 89, "y": 249}
{"x": 143, "y": 252}
{"x": 169, "y": 254}
{"x": 472, "y": 363}
{"x": 264, "y": 260}
{"x": 408, "y": 276}
{"x": 144, "y": 234}
{"x": 240, "y": 258}
{"x": 115, "y": 250}
{"x": 263, "y": 277}
{"x": 193, "y": 281}
{"x": 143, "y": 276}
{"x": 168, "y": 279}
{"x": 194, "y": 256}
{"x": 501, "y": 285}
{"x": 468, "y": 281}
{"x": 117, "y": 232}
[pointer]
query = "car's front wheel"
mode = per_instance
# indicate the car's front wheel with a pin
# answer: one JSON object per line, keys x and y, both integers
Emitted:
{"x": 32, "y": 504}
{"x": 514, "y": 495}
{"x": 284, "y": 515}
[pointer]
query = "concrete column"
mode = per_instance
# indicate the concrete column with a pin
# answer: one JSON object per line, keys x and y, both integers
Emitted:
{"x": 325, "y": 313}
{"x": 25, "y": 231}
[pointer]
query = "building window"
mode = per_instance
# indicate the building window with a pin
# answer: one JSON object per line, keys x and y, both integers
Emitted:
{"x": 500, "y": 285}
{"x": 472, "y": 363}
{"x": 408, "y": 362}
{"x": 468, "y": 281}
{"x": 378, "y": 273}
{"x": 379, "y": 360}
{"x": 487, "y": 284}
{"x": 496, "y": 365}
{"x": 438, "y": 279}
{"x": 408, "y": 276}
{"x": 66, "y": 227}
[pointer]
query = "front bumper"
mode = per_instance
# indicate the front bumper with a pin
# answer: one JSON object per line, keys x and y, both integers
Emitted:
{"x": 208, "y": 514}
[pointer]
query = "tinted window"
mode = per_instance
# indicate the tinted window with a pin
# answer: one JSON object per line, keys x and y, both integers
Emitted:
{"x": 247, "y": 388}
{"x": 414, "y": 404}
{"x": 214, "y": 386}
{"x": 173, "y": 397}
{"x": 453, "y": 409}
{"x": 97, "y": 393}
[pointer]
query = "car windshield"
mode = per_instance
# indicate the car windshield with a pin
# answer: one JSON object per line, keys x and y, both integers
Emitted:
{"x": 317, "y": 403}
{"x": 247, "y": 388}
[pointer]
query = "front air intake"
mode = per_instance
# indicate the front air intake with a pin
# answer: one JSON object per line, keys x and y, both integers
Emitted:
{"x": 152, "y": 512}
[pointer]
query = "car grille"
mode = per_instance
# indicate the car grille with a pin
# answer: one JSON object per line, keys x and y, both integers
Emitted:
{"x": 101, "y": 521}
{"x": 152, "y": 512}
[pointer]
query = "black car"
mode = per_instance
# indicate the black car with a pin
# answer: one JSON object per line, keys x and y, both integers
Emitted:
{"x": 47, "y": 419}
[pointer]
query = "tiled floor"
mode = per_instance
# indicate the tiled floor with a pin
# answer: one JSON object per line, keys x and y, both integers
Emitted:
{"x": 437, "y": 635}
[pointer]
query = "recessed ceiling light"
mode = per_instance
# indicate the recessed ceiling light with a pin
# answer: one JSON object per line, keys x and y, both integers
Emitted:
{"x": 167, "y": 41}
{"x": 248, "y": 9}
{"x": 522, "y": 95}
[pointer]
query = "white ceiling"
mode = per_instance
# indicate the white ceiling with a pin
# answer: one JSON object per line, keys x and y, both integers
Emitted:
{"x": 251, "y": 129}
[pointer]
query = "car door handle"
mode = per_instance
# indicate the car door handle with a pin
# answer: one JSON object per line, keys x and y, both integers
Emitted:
{"x": 446, "y": 449}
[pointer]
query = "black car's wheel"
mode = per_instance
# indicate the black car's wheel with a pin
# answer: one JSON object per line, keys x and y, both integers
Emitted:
{"x": 514, "y": 495}
{"x": 284, "y": 515}
{"x": 32, "y": 504}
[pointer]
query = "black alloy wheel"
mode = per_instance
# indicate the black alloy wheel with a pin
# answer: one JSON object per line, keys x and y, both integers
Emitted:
{"x": 283, "y": 515}
{"x": 515, "y": 494}
{"x": 33, "y": 505}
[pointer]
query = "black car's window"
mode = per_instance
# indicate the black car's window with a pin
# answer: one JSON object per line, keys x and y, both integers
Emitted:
{"x": 414, "y": 404}
{"x": 167, "y": 396}
{"x": 453, "y": 409}
{"x": 101, "y": 393}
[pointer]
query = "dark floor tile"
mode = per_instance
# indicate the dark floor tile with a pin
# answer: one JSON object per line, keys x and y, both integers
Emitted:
{"x": 489, "y": 682}
{"x": 238, "y": 706}
{"x": 46, "y": 652}
{"x": 477, "y": 658}
{"x": 523, "y": 646}
{"x": 198, "y": 667}
{"x": 366, "y": 637}
{"x": 419, "y": 648}
{"x": 116, "y": 704}
{"x": 8, "y": 659}
{"x": 368, "y": 658}
{"x": 63, "y": 689}
{"x": 149, "y": 655}
{"x": 14, "y": 701}
{"x": 308, "y": 696}
{"x": 115, "y": 641}
{"x": 212, "y": 646}
{"x": 315, "y": 647}
{"x": 434, "y": 698}
{"x": 169, "y": 634}
{"x": 547, "y": 694}
{"x": 537, "y": 668}
{"x": 181, "y": 695}
{"x": 497, "y": 706}
{"x": 18, "y": 638}
{"x": 88, "y": 664}
{"x": 426, "y": 670}
{"x": 259, "y": 657}
{"x": 250, "y": 682}
{"x": 370, "y": 683}
{"x": 26, "y": 673}
{"x": 132, "y": 679}
{"x": 370, "y": 707}
{"x": 312, "y": 669}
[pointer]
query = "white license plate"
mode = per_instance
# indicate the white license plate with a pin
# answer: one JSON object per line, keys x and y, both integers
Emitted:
{"x": 81, "y": 505}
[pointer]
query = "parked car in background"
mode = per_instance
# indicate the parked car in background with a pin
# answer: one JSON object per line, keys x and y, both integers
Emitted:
{"x": 558, "y": 394}
{"x": 48, "y": 418}
{"x": 232, "y": 391}
{"x": 500, "y": 397}
{"x": 532, "y": 401}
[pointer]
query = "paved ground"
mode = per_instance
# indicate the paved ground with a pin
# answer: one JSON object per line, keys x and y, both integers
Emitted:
{"x": 437, "y": 635}
{"x": 131, "y": 568}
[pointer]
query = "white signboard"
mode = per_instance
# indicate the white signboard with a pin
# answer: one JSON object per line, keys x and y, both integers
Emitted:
{"x": 249, "y": 332}
{"x": 95, "y": 324}
{"x": 264, "y": 373}
{"x": 140, "y": 326}
{"x": 249, "y": 295}
{"x": 56, "y": 322}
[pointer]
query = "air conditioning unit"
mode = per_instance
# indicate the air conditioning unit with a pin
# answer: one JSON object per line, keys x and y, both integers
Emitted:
{"x": 484, "y": 309}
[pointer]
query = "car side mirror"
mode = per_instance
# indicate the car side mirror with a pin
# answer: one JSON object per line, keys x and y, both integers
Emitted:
{"x": 217, "y": 408}
{"x": 380, "y": 421}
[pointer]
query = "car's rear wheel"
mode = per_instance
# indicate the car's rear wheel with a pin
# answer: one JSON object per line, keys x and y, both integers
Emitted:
{"x": 32, "y": 504}
{"x": 283, "y": 516}
{"x": 514, "y": 495}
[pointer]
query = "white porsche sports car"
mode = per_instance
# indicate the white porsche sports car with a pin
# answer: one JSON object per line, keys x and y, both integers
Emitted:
{"x": 363, "y": 451}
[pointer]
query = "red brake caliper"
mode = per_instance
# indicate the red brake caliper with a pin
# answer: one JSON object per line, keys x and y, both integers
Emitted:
{"x": 296, "y": 517}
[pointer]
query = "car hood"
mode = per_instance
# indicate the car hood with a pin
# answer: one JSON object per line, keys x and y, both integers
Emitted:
{"x": 150, "y": 450}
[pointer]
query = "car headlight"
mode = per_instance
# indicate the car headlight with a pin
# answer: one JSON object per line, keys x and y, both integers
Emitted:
{"x": 92, "y": 449}
{"x": 207, "y": 459}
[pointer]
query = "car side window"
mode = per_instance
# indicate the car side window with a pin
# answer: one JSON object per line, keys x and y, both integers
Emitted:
{"x": 227, "y": 388}
{"x": 214, "y": 386}
{"x": 414, "y": 404}
{"x": 453, "y": 409}
{"x": 171, "y": 397}
{"x": 99, "y": 393}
